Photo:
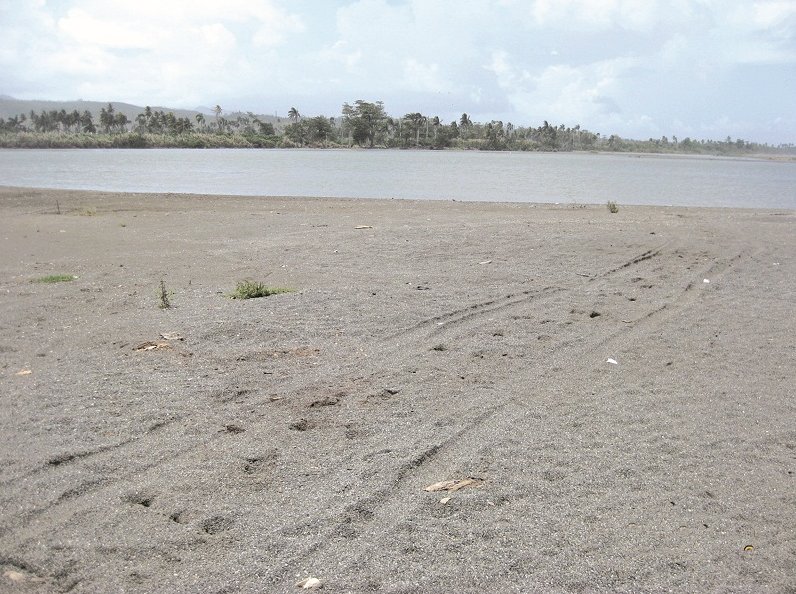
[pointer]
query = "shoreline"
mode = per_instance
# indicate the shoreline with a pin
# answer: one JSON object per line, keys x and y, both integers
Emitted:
{"x": 244, "y": 445}
{"x": 229, "y": 145}
{"x": 573, "y": 205}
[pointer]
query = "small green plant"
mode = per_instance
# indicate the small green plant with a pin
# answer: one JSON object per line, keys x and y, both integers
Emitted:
{"x": 165, "y": 303}
{"x": 248, "y": 289}
{"x": 612, "y": 207}
{"x": 54, "y": 278}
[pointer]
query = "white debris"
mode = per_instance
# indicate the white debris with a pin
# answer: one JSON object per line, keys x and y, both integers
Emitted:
{"x": 612, "y": 361}
{"x": 309, "y": 583}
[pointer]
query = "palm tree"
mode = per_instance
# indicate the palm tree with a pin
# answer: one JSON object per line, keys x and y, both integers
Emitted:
{"x": 435, "y": 122}
{"x": 416, "y": 120}
{"x": 294, "y": 114}
{"x": 217, "y": 110}
{"x": 200, "y": 119}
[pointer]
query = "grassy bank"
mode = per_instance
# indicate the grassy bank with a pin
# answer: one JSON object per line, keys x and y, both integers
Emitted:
{"x": 136, "y": 140}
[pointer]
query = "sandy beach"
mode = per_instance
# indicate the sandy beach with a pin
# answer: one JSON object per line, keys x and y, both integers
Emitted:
{"x": 615, "y": 391}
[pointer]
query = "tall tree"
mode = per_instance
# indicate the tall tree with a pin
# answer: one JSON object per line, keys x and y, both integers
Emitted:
{"x": 414, "y": 123}
{"x": 364, "y": 121}
{"x": 294, "y": 114}
{"x": 87, "y": 122}
{"x": 120, "y": 122}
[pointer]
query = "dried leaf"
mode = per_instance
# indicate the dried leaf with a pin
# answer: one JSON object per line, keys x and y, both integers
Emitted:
{"x": 364, "y": 227}
{"x": 152, "y": 346}
{"x": 444, "y": 500}
{"x": 453, "y": 485}
{"x": 24, "y": 372}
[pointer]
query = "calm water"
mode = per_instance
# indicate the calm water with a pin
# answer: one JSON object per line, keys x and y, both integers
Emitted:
{"x": 514, "y": 177}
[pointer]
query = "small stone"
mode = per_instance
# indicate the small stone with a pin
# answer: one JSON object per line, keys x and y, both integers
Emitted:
{"x": 310, "y": 583}
{"x": 14, "y": 576}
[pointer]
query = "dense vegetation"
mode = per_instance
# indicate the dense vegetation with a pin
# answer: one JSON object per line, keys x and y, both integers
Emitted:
{"x": 362, "y": 124}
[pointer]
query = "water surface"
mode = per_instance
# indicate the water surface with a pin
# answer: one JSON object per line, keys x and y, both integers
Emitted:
{"x": 445, "y": 175}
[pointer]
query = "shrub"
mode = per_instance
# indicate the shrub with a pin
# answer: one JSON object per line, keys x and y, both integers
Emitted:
{"x": 248, "y": 289}
{"x": 612, "y": 207}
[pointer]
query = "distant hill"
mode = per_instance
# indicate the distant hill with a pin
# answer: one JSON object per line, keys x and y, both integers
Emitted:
{"x": 10, "y": 106}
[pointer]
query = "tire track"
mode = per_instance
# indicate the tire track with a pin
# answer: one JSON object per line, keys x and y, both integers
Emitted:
{"x": 471, "y": 312}
{"x": 457, "y": 320}
{"x": 424, "y": 331}
{"x": 385, "y": 517}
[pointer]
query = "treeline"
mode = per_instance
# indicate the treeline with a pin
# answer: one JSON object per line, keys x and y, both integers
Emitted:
{"x": 150, "y": 129}
{"x": 362, "y": 124}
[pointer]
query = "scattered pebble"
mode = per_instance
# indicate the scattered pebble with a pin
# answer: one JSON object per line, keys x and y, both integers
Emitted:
{"x": 172, "y": 336}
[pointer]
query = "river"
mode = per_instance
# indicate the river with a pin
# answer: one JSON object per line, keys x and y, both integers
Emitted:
{"x": 445, "y": 175}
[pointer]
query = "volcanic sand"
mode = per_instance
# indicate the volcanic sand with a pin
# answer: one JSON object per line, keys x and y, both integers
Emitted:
{"x": 268, "y": 440}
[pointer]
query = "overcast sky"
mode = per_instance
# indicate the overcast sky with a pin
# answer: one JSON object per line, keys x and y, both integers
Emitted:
{"x": 638, "y": 68}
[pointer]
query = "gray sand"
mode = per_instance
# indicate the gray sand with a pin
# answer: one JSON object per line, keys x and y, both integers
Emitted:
{"x": 292, "y": 436}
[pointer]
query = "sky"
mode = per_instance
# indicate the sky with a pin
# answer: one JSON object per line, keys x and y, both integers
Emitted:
{"x": 640, "y": 69}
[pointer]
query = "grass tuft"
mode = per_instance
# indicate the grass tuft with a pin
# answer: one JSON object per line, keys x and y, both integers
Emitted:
{"x": 248, "y": 289}
{"x": 55, "y": 278}
{"x": 612, "y": 207}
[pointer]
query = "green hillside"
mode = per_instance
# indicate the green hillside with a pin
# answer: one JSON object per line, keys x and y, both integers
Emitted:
{"x": 10, "y": 107}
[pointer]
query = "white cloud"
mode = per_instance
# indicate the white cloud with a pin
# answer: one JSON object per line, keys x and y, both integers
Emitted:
{"x": 84, "y": 29}
{"x": 423, "y": 77}
{"x": 626, "y": 66}
{"x": 154, "y": 51}
{"x": 564, "y": 93}
{"x": 600, "y": 14}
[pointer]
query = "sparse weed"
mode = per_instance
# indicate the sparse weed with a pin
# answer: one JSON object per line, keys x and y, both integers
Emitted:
{"x": 612, "y": 207}
{"x": 165, "y": 303}
{"x": 248, "y": 289}
{"x": 54, "y": 278}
